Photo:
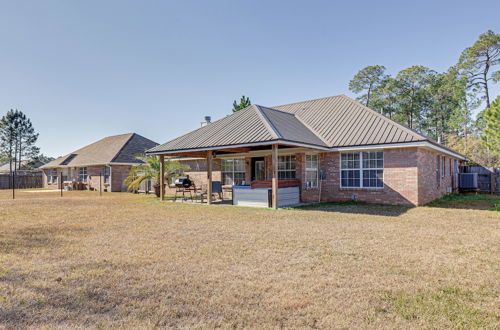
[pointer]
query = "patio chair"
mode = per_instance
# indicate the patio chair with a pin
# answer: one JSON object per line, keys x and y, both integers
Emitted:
{"x": 216, "y": 189}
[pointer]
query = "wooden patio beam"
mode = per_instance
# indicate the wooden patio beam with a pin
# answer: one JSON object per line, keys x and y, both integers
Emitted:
{"x": 162, "y": 177}
{"x": 275, "y": 176}
{"x": 209, "y": 177}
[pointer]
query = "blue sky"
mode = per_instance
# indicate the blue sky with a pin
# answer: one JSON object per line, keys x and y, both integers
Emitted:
{"x": 83, "y": 70}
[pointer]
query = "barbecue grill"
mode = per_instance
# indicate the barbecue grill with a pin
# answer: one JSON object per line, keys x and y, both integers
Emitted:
{"x": 184, "y": 186}
{"x": 183, "y": 183}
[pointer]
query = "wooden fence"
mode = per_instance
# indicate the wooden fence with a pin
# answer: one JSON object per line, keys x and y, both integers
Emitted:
{"x": 488, "y": 178}
{"x": 22, "y": 180}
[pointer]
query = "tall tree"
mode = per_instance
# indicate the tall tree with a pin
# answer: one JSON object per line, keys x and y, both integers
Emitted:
{"x": 17, "y": 138}
{"x": 244, "y": 102}
{"x": 8, "y": 138}
{"x": 491, "y": 133}
{"x": 367, "y": 81}
{"x": 477, "y": 62}
{"x": 26, "y": 139}
{"x": 445, "y": 96}
{"x": 411, "y": 87}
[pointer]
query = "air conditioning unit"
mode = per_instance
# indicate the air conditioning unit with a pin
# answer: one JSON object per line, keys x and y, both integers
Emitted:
{"x": 467, "y": 181}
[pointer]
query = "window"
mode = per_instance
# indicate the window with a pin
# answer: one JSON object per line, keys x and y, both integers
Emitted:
{"x": 443, "y": 164}
{"x": 54, "y": 175}
{"x": 107, "y": 174}
{"x": 362, "y": 169}
{"x": 64, "y": 174}
{"x": 233, "y": 171}
{"x": 286, "y": 167}
{"x": 438, "y": 168}
{"x": 311, "y": 171}
{"x": 72, "y": 174}
{"x": 82, "y": 174}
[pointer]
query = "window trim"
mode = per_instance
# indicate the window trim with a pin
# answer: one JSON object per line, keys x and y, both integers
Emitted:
{"x": 361, "y": 169}
{"x": 86, "y": 174}
{"x": 288, "y": 170}
{"x": 233, "y": 170}
{"x": 310, "y": 169}
{"x": 54, "y": 178}
{"x": 104, "y": 175}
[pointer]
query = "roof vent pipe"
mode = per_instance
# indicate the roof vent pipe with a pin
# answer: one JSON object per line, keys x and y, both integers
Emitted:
{"x": 207, "y": 121}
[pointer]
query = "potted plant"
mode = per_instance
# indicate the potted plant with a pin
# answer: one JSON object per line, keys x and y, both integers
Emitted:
{"x": 150, "y": 170}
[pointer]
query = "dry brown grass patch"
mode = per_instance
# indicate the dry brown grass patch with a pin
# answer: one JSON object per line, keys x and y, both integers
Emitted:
{"x": 130, "y": 261}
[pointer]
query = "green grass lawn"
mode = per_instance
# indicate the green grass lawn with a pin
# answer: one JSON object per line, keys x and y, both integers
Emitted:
{"x": 124, "y": 260}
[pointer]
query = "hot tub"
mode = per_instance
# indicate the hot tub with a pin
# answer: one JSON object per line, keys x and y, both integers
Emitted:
{"x": 262, "y": 197}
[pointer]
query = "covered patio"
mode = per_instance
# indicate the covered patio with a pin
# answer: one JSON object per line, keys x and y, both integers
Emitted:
{"x": 265, "y": 176}
{"x": 265, "y": 140}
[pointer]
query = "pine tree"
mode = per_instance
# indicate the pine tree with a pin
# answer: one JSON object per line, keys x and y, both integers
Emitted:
{"x": 244, "y": 102}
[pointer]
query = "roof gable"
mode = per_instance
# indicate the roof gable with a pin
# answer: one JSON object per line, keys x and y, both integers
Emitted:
{"x": 118, "y": 148}
{"x": 244, "y": 126}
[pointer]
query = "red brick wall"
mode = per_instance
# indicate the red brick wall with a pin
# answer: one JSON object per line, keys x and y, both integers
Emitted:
{"x": 118, "y": 175}
{"x": 430, "y": 186}
{"x": 400, "y": 180}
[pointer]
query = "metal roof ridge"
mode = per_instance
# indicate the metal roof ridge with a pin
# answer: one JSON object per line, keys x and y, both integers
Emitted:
{"x": 319, "y": 136}
{"x": 320, "y": 98}
{"x": 267, "y": 122}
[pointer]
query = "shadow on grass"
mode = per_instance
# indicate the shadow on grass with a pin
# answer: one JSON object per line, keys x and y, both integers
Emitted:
{"x": 357, "y": 208}
{"x": 467, "y": 201}
{"x": 33, "y": 238}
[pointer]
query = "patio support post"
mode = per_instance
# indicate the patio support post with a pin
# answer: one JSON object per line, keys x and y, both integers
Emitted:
{"x": 275, "y": 177}
{"x": 162, "y": 177}
{"x": 209, "y": 177}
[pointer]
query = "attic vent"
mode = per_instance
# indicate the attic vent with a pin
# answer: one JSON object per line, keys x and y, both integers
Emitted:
{"x": 68, "y": 159}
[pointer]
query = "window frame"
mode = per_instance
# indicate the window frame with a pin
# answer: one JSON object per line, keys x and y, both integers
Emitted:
{"x": 311, "y": 170}
{"x": 106, "y": 177}
{"x": 361, "y": 169}
{"x": 63, "y": 175}
{"x": 85, "y": 174}
{"x": 233, "y": 171}
{"x": 286, "y": 165}
{"x": 55, "y": 178}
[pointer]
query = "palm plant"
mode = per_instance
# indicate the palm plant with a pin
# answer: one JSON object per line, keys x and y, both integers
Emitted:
{"x": 150, "y": 170}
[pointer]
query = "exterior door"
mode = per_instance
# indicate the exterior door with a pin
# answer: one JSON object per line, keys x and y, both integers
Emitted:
{"x": 259, "y": 170}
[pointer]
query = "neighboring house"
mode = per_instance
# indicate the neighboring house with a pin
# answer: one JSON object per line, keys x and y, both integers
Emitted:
{"x": 328, "y": 149}
{"x": 26, "y": 165}
{"x": 28, "y": 176}
{"x": 105, "y": 162}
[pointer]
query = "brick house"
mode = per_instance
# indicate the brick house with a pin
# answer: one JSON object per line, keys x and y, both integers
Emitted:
{"x": 328, "y": 149}
{"x": 106, "y": 162}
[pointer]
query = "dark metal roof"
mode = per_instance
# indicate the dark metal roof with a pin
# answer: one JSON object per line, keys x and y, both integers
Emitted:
{"x": 329, "y": 122}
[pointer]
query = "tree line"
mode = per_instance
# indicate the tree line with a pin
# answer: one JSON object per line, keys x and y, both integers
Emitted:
{"x": 441, "y": 104}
